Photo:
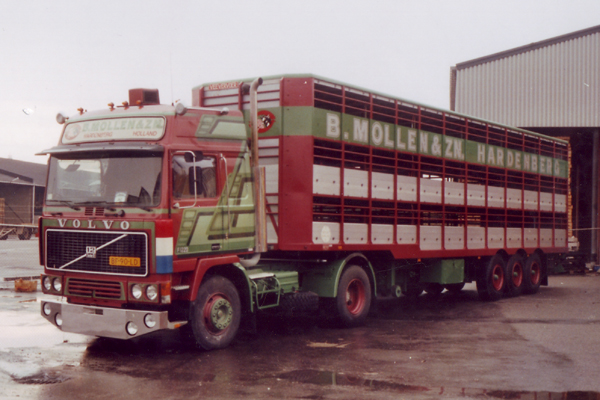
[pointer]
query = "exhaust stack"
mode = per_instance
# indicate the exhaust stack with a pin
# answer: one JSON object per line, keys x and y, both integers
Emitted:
{"x": 260, "y": 213}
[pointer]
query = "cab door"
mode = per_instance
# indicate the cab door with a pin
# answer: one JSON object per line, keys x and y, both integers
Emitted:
{"x": 237, "y": 204}
{"x": 195, "y": 203}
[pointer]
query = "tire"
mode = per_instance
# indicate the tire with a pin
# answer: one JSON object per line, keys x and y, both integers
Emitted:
{"x": 532, "y": 274}
{"x": 454, "y": 288}
{"x": 515, "y": 269}
{"x": 353, "y": 299}
{"x": 491, "y": 281}
{"x": 216, "y": 313}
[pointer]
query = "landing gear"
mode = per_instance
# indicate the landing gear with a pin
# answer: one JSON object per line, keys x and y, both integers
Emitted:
{"x": 434, "y": 289}
{"x": 454, "y": 288}
{"x": 216, "y": 313}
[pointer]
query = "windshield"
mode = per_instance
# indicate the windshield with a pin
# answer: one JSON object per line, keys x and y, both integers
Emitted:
{"x": 105, "y": 180}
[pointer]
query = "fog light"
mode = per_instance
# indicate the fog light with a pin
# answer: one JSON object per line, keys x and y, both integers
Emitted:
{"x": 131, "y": 328}
{"x": 47, "y": 283}
{"x": 136, "y": 291}
{"x": 58, "y": 319}
{"x": 46, "y": 309}
{"x": 150, "y": 321}
{"x": 151, "y": 292}
{"x": 57, "y": 284}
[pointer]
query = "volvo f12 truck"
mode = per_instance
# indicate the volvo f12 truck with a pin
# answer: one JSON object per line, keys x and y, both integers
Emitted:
{"x": 292, "y": 192}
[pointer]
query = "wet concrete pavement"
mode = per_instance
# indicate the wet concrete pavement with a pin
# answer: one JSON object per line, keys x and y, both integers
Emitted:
{"x": 451, "y": 346}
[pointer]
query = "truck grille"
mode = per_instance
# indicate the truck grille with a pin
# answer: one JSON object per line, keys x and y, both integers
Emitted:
{"x": 95, "y": 289}
{"x": 95, "y": 251}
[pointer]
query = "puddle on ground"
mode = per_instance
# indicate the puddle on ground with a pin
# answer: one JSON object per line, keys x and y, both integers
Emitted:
{"x": 329, "y": 378}
{"x": 42, "y": 378}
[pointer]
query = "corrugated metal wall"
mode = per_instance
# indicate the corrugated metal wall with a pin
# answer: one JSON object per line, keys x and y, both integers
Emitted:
{"x": 557, "y": 85}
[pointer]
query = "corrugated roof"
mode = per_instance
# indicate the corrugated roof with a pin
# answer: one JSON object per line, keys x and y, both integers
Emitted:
{"x": 22, "y": 172}
{"x": 529, "y": 47}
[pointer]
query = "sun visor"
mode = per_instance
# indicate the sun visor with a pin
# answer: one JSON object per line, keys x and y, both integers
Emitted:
{"x": 103, "y": 147}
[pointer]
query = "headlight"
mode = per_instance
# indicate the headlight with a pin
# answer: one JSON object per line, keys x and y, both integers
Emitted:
{"x": 58, "y": 320}
{"x": 47, "y": 283}
{"x": 136, "y": 291}
{"x": 47, "y": 309}
{"x": 57, "y": 284}
{"x": 131, "y": 328}
{"x": 151, "y": 292}
{"x": 150, "y": 321}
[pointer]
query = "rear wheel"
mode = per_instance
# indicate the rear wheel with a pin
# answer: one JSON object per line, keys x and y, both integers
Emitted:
{"x": 515, "y": 271}
{"x": 492, "y": 279}
{"x": 353, "y": 299}
{"x": 216, "y": 313}
{"x": 532, "y": 275}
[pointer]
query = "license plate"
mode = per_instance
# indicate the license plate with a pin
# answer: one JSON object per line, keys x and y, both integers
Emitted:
{"x": 124, "y": 261}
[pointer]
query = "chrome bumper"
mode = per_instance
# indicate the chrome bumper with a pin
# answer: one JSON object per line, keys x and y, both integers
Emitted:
{"x": 103, "y": 321}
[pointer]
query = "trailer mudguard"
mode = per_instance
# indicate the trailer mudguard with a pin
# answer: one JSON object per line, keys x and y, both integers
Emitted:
{"x": 323, "y": 278}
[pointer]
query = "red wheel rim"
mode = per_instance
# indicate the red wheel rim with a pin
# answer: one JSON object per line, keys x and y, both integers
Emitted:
{"x": 536, "y": 273}
{"x": 355, "y": 296}
{"x": 517, "y": 274}
{"x": 217, "y": 313}
{"x": 497, "y": 277}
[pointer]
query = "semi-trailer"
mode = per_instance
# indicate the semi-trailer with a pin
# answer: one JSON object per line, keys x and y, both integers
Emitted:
{"x": 290, "y": 192}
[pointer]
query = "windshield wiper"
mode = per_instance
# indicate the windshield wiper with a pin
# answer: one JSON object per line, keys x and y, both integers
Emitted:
{"x": 112, "y": 207}
{"x": 69, "y": 204}
{"x": 109, "y": 206}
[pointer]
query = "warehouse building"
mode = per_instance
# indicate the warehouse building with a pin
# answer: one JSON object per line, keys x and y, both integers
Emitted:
{"x": 22, "y": 187}
{"x": 550, "y": 87}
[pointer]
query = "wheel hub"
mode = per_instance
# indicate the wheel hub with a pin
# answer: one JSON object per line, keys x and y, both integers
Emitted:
{"x": 218, "y": 313}
{"x": 355, "y": 296}
{"x": 497, "y": 277}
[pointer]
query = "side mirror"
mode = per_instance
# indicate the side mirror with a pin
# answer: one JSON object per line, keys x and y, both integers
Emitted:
{"x": 195, "y": 180}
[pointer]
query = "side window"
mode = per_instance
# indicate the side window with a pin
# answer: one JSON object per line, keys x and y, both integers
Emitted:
{"x": 190, "y": 177}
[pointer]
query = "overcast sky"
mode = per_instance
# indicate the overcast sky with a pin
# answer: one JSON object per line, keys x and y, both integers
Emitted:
{"x": 61, "y": 55}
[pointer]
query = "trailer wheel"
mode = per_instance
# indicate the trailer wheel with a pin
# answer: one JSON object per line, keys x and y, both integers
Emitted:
{"x": 492, "y": 279}
{"x": 515, "y": 272}
{"x": 216, "y": 313}
{"x": 532, "y": 274}
{"x": 353, "y": 299}
{"x": 26, "y": 235}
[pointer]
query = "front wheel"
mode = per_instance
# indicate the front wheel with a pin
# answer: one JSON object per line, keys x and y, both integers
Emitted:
{"x": 353, "y": 299}
{"x": 216, "y": 313}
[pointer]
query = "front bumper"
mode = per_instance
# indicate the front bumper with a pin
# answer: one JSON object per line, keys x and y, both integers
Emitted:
{"x": 103, "y": 321}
